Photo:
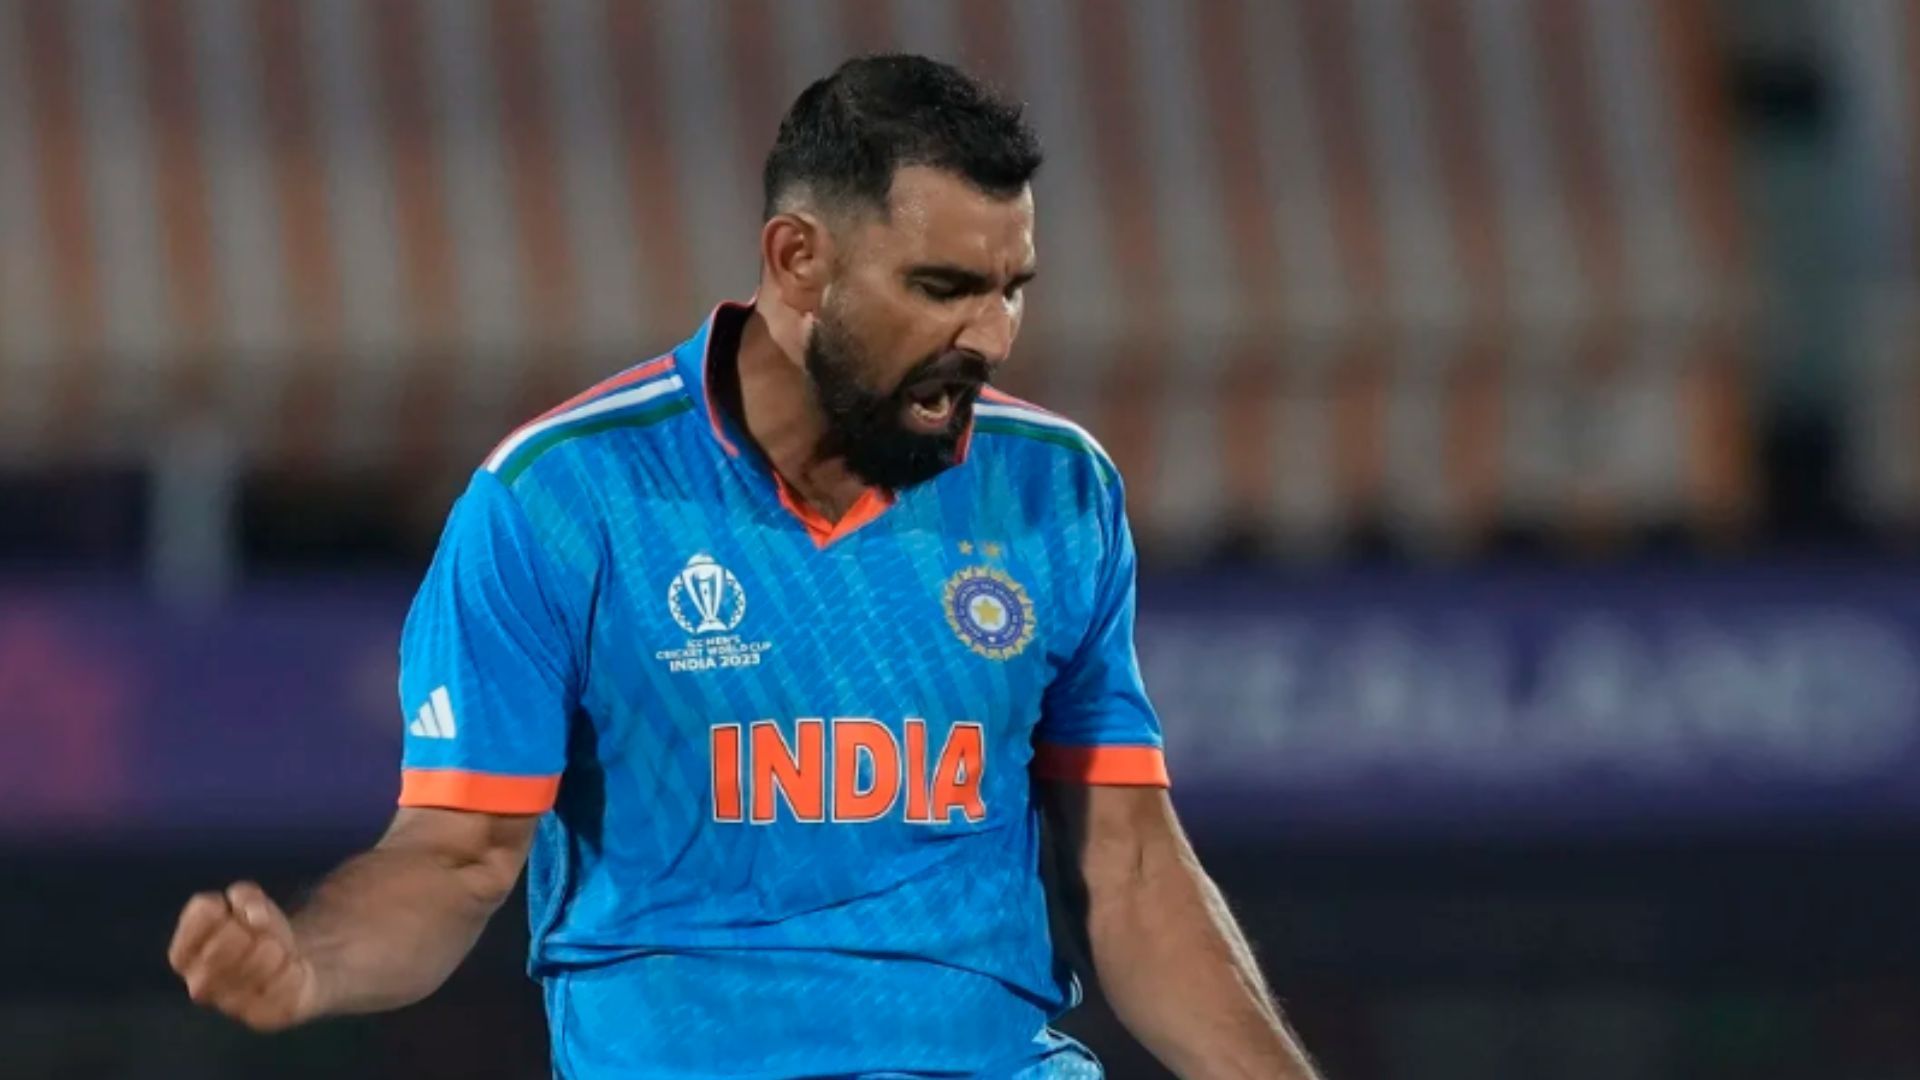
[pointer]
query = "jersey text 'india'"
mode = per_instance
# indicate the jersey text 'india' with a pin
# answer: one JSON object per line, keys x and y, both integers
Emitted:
{"x": 873, "y": 773}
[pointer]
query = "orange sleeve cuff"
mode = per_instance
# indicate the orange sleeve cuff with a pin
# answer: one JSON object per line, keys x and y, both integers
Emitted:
{"x": 490, "y": 793}
{"x": 1130, "y": 766}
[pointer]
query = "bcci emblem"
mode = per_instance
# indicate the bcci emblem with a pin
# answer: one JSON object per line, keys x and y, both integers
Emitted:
{"x": 713, "y": 594}
{"x": 990, "y": 611}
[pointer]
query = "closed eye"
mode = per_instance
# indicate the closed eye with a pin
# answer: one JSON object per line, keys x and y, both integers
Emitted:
{"x": 940, "y": 290}
{"x": 945, "y": 284}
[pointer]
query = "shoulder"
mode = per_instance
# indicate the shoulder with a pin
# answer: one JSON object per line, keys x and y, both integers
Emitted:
{"x": 590, "y": 424}
{"x": 1005, "y": 425}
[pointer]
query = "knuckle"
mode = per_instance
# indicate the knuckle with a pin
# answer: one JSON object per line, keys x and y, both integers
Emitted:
{"x": 198, "y": 919}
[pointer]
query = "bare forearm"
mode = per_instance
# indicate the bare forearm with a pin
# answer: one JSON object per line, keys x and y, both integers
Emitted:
{"x": 1181, "y": 976}
{"x": 389, "y": 926}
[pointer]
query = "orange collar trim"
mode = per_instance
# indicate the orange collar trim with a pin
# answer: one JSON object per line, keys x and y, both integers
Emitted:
{"x": 872, "y": 503}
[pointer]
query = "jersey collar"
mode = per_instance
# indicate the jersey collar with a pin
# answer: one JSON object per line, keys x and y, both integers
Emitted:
{"x": 718, "y": 342}
{"x": 693, "y": 358}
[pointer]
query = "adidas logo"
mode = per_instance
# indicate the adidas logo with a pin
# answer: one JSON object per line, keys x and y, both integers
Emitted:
{"x": 435, "y": 720}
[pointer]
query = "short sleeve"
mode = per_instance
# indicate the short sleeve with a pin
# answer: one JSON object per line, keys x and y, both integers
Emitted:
{"x": 1096, "y": 724}
{"x": 488, "y": 665}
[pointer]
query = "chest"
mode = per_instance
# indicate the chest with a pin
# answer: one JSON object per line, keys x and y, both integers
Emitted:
{"x": 916, "y": 615}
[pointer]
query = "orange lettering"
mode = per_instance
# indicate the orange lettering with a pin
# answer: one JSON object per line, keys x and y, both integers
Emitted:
{"x": 801, "y": 777}
{"x": 726, "y": 772}
{"x": 851, "y": 738}
{"x": 755, "y": 766}
{"x": 956, "y": 782}
{"x": 915, "y": 774}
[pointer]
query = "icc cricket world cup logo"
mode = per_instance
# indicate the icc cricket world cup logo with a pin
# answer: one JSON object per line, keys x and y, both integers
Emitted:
{"x": 705, "y": 597}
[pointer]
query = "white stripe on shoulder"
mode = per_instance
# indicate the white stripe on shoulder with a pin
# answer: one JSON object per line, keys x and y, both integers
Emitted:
{"x": 637, "y": 395}
{"x": 1030, "y": 415}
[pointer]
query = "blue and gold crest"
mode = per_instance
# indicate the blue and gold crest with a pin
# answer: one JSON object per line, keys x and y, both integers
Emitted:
{"x": 989, "y": 611}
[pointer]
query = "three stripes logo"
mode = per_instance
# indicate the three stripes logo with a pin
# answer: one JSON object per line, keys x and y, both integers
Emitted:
{"x": 435, "y": 719}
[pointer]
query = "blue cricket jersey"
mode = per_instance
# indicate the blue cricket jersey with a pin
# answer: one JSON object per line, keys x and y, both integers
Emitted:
{"x": 785, "y": 765}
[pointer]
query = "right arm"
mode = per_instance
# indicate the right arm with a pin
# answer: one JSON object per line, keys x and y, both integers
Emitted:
{"x": 382, "y": 931}
{"x": 488, "y": 671}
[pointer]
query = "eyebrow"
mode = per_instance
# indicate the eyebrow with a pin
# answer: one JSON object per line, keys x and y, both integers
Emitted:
{"x": 965, "y": 280}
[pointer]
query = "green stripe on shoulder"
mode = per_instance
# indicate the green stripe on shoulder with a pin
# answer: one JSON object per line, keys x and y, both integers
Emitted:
{"x": 523, "y": 458}
{"x": 1004, "y": 425}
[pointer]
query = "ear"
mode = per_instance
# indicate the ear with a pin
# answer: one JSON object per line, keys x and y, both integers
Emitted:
{"x": 796, "y": 250}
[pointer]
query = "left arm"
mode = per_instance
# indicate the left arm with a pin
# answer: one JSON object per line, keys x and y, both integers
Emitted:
{"x": 1165, "y": 949}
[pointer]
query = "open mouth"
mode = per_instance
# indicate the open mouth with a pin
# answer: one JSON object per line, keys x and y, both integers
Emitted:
{"x": 933, "y": 405}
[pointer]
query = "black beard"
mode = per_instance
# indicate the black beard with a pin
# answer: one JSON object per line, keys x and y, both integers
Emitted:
{"x": 866, "y": 429}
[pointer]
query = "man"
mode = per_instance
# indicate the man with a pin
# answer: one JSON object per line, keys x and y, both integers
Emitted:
{"x": 774, "y": 651}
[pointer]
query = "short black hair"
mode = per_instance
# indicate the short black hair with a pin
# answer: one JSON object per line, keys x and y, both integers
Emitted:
{"x": 848, "y": 133}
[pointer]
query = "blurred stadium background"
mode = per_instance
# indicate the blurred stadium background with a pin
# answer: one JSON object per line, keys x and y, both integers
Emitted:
{"x": 1520, "y": 401}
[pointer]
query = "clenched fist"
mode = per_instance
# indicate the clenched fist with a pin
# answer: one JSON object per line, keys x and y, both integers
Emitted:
{"x": 238, "y": 955}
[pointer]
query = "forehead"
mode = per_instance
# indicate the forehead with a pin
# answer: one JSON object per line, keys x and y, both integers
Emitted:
{"x": 934, "y": 215}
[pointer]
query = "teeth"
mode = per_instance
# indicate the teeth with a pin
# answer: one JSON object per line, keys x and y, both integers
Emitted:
{"x": 938, "y": 411}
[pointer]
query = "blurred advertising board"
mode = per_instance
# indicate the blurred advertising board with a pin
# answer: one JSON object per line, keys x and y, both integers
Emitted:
{"x": 1511, "y": 701}
{"x": 1498, "y": 701}
{"x": 276, "y": 712}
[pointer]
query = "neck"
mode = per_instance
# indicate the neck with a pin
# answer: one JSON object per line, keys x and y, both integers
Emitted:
{"x": 784, "y": 419}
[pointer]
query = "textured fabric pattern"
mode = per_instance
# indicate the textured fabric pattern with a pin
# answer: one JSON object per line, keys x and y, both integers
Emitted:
{"x": 795, "y": 833}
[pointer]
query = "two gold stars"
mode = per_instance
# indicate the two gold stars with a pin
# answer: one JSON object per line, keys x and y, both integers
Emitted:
{"x": 991, "y": 551}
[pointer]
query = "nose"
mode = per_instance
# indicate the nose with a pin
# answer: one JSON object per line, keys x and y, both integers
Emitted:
{"x": 990, "y": 330}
